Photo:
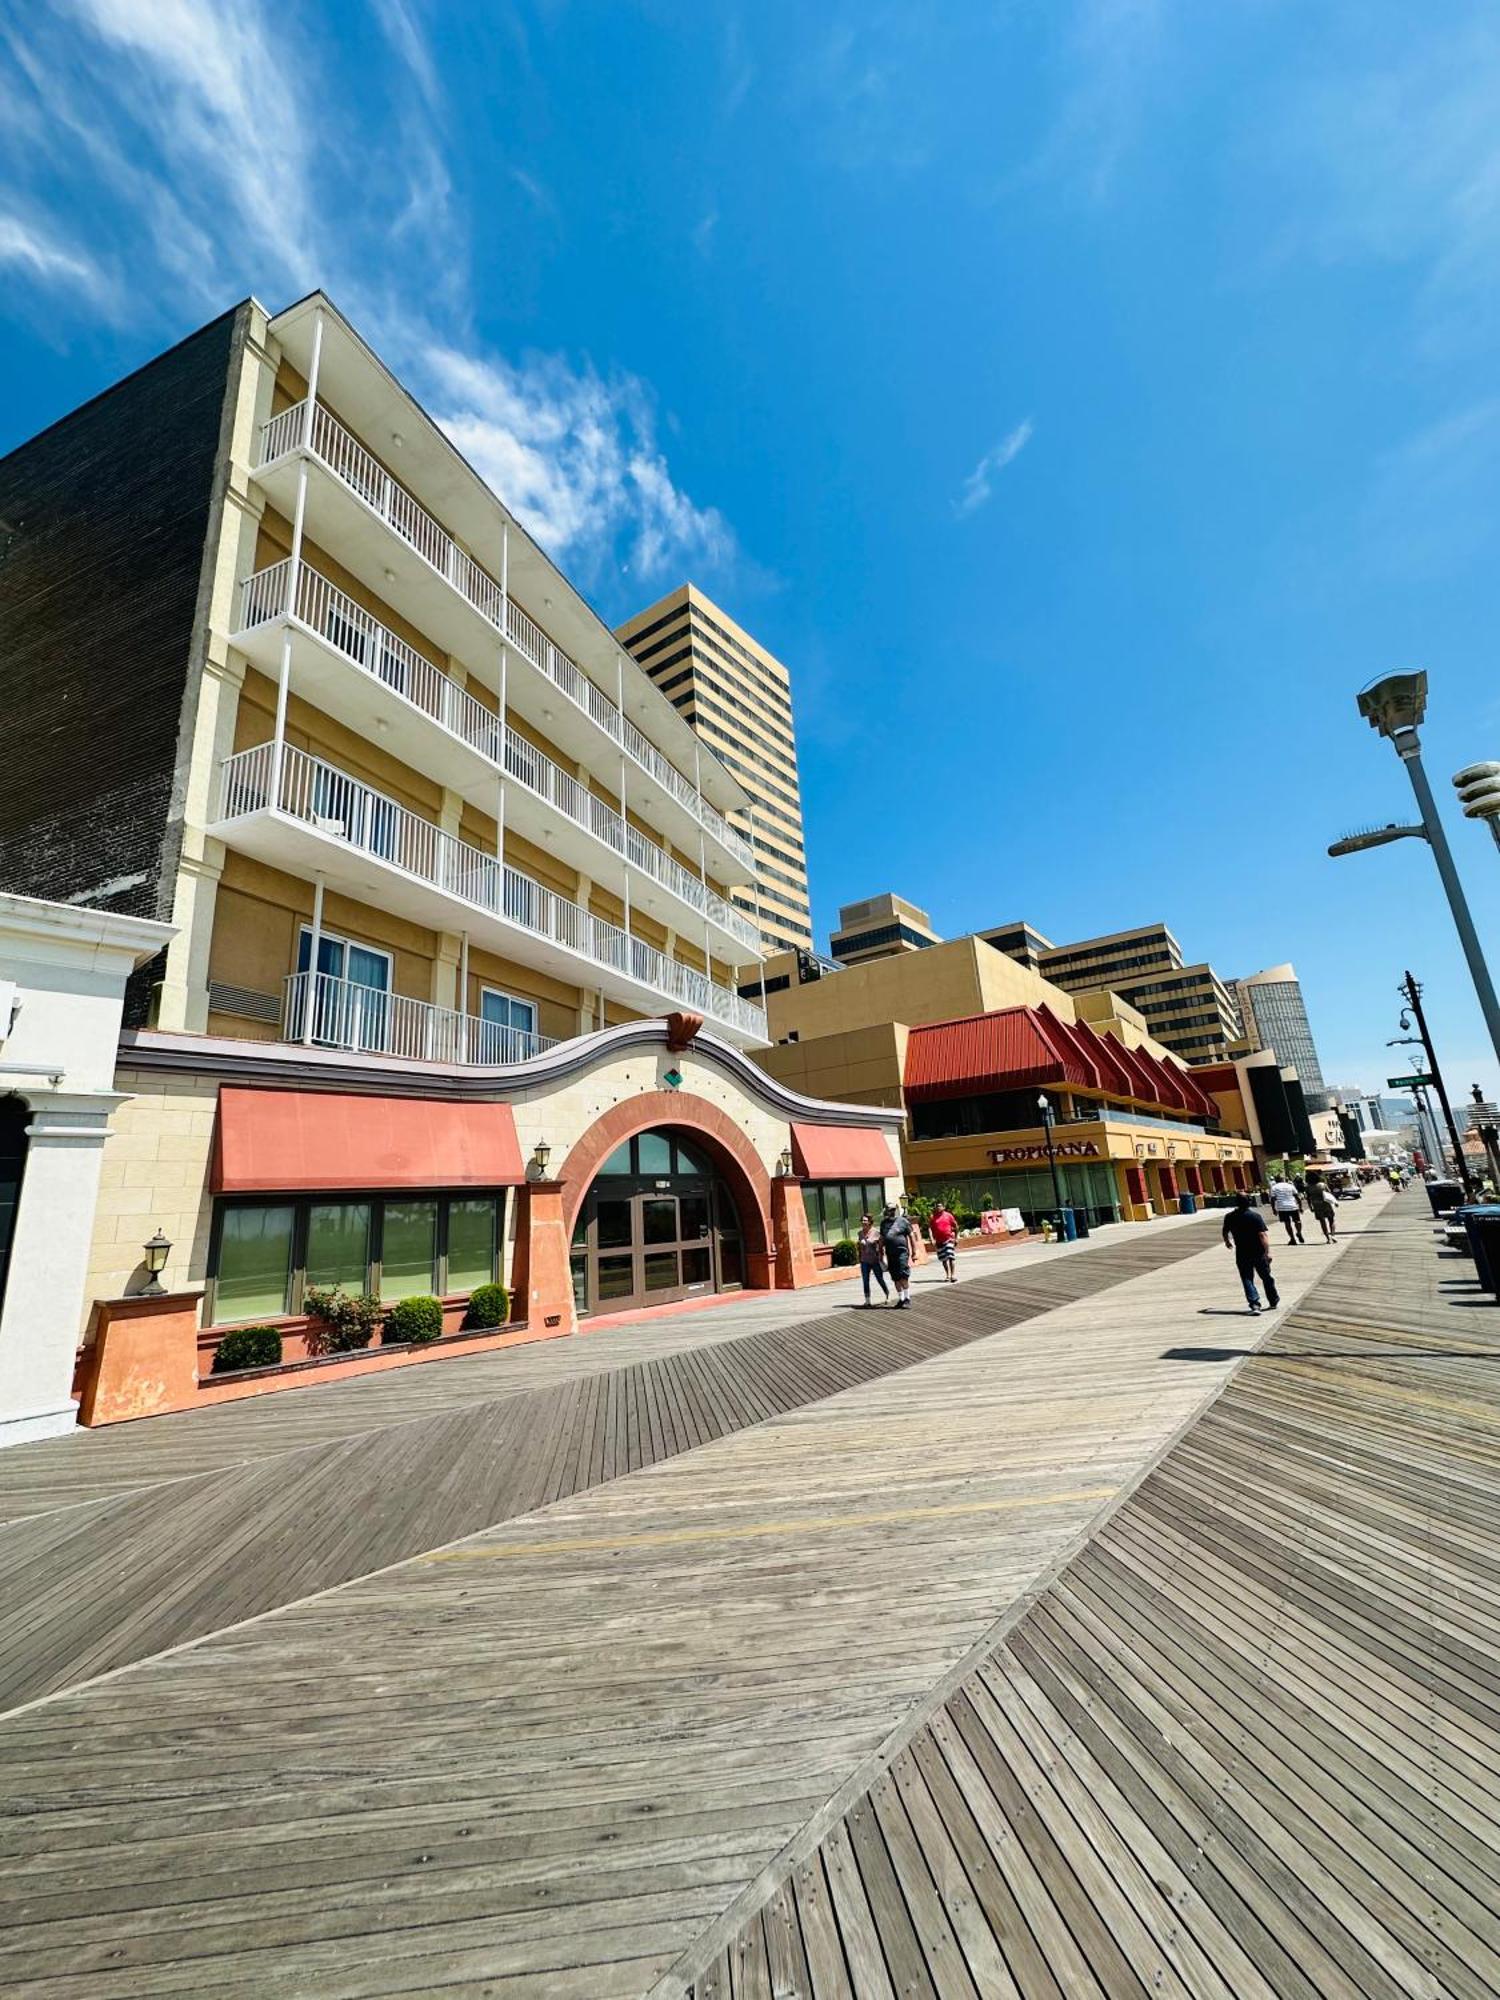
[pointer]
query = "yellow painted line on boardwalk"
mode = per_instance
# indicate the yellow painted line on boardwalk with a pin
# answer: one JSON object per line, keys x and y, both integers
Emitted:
{"x": 808, "y": 1523}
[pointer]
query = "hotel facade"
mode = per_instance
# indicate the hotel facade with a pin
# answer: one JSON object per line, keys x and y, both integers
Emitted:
{"x": 453, "y": 992}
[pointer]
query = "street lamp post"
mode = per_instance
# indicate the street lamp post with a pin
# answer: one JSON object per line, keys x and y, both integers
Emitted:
{"x": 1411, "y": 993}
{"x": 1395, "y": 706}
{"x": 1044, "y": 1105}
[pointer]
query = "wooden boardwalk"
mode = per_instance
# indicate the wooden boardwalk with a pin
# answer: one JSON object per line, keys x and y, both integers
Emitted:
{"x": 208, "y": 1519}
{"x": 554, "y": 1759}
{"x": 1247, "y": 1745}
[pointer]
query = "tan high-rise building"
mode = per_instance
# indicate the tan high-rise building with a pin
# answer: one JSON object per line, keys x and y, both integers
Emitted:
{"x": 880, "y": 927}
{"x": 738, "y": 699}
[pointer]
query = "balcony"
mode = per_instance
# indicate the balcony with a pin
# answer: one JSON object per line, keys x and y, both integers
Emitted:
{"x": 332, "y": 1013}
{"x": 427, "y": 719}
{"x": 366, "y": 846}
{"x": 463, "y": 609}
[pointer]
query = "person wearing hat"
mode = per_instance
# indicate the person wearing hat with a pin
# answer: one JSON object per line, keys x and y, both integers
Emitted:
{"x": 896, "y": 1233}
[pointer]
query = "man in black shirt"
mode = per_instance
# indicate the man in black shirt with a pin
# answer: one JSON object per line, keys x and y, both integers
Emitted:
{"x": 1245, "y": 1228}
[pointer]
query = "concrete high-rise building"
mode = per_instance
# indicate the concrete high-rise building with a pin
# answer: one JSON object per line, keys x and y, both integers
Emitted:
{"x": 737, "y": 697}
{"x": 1275, "y": 1017}
{"x": 1187, "y": 1008}
{"x": 879, "y": 927}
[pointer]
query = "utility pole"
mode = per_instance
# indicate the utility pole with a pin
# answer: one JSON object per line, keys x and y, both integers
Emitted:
{"x": 1411, "y": 992}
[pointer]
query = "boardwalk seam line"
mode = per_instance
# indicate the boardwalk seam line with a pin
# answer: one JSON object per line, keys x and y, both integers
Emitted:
{"x": 677, "y": 1982}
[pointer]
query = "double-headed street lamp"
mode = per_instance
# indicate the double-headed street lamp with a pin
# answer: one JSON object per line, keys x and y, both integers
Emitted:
{"x": 1394, "y": 706}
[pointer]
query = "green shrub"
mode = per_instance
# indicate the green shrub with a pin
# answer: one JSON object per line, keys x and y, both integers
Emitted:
{"x": 247, "y": 1347}
{"x": 846, "y": 1251}
{"x": 413, "y": 1321}
{"x": 339, "y": 1321}
{"x": 489, "y": 1305}
{"x": 966, "y": 1218}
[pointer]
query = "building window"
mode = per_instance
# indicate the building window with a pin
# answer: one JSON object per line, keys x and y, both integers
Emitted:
{"x": 408, "y": 1249}
{"x": 263, "y": 1255}
{"x": 338, "y": 1244}
{"x": 835, "y": 1208}
{"x": 254, "y": 1266}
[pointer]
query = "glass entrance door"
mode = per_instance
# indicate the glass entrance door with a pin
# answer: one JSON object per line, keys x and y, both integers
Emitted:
{"x": 646, "y": 1237}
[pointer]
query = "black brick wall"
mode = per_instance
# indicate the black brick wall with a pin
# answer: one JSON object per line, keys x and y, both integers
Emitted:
{"x": 103, "y": 520}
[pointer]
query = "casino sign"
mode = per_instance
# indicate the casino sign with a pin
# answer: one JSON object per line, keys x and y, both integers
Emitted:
{"x": 1069, "y": 1149}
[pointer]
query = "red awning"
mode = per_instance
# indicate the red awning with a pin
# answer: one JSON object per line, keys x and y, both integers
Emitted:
{"x": 842, "y": 1153}
{"x": 275, "y": 1141}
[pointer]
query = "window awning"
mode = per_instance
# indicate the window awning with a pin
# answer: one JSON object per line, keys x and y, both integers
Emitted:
{"x": 287, "y": 1141}
{"x": 842, "y": 1153}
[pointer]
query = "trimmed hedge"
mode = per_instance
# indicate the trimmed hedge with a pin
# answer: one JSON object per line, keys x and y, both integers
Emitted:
{"x": 247, "y": 1347}
{"x": 413, "y": 1321}
{"x": 846, "y": 1251}
{"x": 489, "y": 1305}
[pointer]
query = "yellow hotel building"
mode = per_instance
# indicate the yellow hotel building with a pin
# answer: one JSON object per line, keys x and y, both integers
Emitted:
{"x": 453, "y": 991}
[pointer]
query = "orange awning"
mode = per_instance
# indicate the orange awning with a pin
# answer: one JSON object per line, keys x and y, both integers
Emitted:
{"x": 275, "y": 1141}
{"x": 842, "y": 1153}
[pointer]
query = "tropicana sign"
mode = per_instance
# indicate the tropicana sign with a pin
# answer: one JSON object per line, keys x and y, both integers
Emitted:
{"x": 1070, "y": 1149}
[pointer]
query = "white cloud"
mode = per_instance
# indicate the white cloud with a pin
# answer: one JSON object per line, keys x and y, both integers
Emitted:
{"x": 980, "y": 482}
{"x": 702, "y": 232}
{"x": 213, "y": 149}
{"x": 26, "y": 247}
{"x": 576, "y": 458}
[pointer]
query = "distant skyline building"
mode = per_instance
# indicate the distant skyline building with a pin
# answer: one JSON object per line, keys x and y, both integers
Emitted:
{"x": 737, "y": 698}
{"x": 880, "y": 927}
{"x": 1275, "y": 1017}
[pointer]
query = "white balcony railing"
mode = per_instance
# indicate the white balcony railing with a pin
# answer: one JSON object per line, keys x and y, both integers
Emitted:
{"x": 360, "y": 638}
{"x": 358, "y": 817}
{"x": 348, "y": 459}
{"x": 346, "y": 1015}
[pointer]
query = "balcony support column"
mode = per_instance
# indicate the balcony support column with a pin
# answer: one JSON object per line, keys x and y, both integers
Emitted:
{"x": 310, "y": 406}
{"x": 315, "y": 939}
{"x": 500, "y": 780}
{"x": 463, "y": 997}
{"x": 755, "y": 892}
{"x": 293, "y": 597}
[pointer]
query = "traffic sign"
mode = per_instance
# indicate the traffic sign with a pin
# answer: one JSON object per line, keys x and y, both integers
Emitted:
{"x": 1407, "y": 1082}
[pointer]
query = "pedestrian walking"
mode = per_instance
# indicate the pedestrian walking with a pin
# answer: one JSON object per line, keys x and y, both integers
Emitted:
{"x": 896, "y": 1233}
{"x": 944, "y": 1226}
{"x": 1245, "y": 1232}
{"x": 1287, "y": 1204}
{"x": 872, "y": 1259}
{"x": 1325, "y": 1209}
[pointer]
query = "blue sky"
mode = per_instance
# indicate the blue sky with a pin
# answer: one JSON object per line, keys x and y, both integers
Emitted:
{"x": 1084, "y": 397}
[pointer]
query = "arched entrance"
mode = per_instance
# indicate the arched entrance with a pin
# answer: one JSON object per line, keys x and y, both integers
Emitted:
{"x": 657, "y": 1222}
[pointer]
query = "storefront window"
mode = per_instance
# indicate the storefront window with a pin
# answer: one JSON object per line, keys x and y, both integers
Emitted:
{"x": 255, "y": 1261}
{"x": 471, "y": 1244}
{"x": 834, "y": 1208}
{"x": 408, "y": 1250}
{"x": 268, "y": 1253}
{"x": 338, "y": 1244}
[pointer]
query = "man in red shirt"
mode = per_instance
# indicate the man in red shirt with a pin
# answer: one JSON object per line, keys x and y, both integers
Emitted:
{"x": 945, "y": 1240}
